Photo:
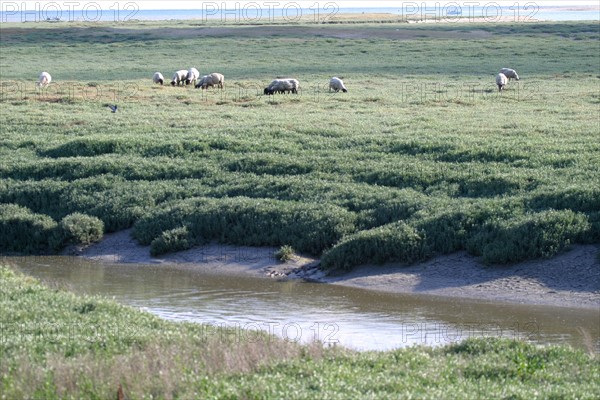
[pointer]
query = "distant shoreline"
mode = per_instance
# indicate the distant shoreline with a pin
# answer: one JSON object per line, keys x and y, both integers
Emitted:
{"x": 323, "y": 14}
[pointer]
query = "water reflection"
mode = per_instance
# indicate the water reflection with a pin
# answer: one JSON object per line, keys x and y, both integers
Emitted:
{"x": 304, "y": 312}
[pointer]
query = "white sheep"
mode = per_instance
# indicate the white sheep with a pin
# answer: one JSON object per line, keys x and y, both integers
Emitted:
{"x": 44, "y": 80}
{"x": 337, "y": 84}
{"x": 158, "y": 78}
{"x": 276, "y": 86}
{"x": 214, "y": 79}
{"x": 285, "y": 85}
{"x": 501, "y": 81}
{"x": 295, "y": 85}
{"x": 192, "y": 76}
{"x": 179, "y": 77}
{"x": 510, "y": 73}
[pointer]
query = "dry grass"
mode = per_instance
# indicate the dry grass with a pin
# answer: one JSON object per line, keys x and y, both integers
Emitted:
{"x": 158, "y": 370}
{"x": 588, "y": 341}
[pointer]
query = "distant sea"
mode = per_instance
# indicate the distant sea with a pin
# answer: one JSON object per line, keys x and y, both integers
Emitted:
{"x": 571, "y": 12}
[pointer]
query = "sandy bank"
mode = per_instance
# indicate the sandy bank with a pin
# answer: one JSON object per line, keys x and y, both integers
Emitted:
{"x": 571, "y": 279}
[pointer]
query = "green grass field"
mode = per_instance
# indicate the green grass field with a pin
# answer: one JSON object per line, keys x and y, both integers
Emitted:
{"x": 57, "y": 345}
{"x": 421, "y": 157}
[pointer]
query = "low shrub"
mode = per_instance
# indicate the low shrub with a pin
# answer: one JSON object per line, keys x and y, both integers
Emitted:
{"x": 43, "y": 197}
{"x": 114, "y": 200}
{"x": 479, "y": 346}
{"x": 285, "y": 253}
{"x": 130, "y": 167}
{"x": 92, "y": 147}
{"x": 176, "y": 239}
{"x": 118, "y": 203}
{"x": 309, "y": 228}
{"x": 78, "y": 228}
{"x": 575, "y": 198}
{"x": 23, "y": 231}
{"x": 393, "y": 242}
{"x": 448, "y": 229}
{"x": 594, "y": 234}
{"x": 528, "y": 236}
{"x": 86, "y": 148}
{"x": 403, "y": 205}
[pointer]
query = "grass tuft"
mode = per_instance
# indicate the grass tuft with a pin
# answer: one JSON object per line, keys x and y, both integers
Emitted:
{"x": 285, "y": 253}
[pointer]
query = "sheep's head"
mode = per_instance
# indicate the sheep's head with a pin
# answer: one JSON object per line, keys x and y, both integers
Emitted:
{"x": 516, "y": 77}
{"x": 344, "y": 90}
{"x": 173, "y": 82}
{"x": 160, "y": 81}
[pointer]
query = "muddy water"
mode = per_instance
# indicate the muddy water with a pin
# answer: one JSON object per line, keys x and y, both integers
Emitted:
{"x": 300, "y": 311}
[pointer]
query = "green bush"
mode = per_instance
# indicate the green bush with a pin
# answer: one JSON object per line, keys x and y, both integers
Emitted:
{"x": 270, "y": 164}
{"x": 78, "y": 228}
{"x": 89, "y": 147}
{"x": 42, "y": 197}
{"x": 575, "y": 198}
{"x": 176, "y": 239}
{"x": 448, "y": 228}
{"x": 473, "y": 179}
{"x": 131, "y": 167}
{"x": 479, "y": 346}
{"x": 285, "y": 253}
{"x": 403, "y": 204}
{"x": 23, "y": 231}
{"x": 594, "y": 234}
{"x": 116, "y": 201}
{"x": 528, "y": 236}
{"x": 254, "y": 222}
{"x": 394, "y": 242}
{"x": 86, "y": 148}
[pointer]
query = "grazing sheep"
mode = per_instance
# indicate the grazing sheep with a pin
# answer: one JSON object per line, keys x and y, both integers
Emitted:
{"x": 158, "y": 78}
{"x": 179, "y": 77}
{"x": 214, "y": 79}
{"x": 510, "y": 73}
{"x": 192, "y": 76}
{"x": 501, "y": 81}
{"x": 285, "y": 85}
{"x": 337, "y": 84}
{"x": 44, "y": 79}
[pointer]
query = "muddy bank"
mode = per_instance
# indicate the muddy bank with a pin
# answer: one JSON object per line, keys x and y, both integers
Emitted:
{"x": 571, "y": 279}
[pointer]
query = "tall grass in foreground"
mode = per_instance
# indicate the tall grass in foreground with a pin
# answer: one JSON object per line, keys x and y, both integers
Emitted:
{"x": 422, "y": 148}
{"x": 58, "y": 345}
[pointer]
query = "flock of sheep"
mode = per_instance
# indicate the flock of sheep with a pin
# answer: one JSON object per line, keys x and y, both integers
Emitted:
{"x": 281, "y": 85}
{"x": 186, "y": 77}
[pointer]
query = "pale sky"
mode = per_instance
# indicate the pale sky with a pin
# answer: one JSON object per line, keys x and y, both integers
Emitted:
{"x": 202, "y": 4}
